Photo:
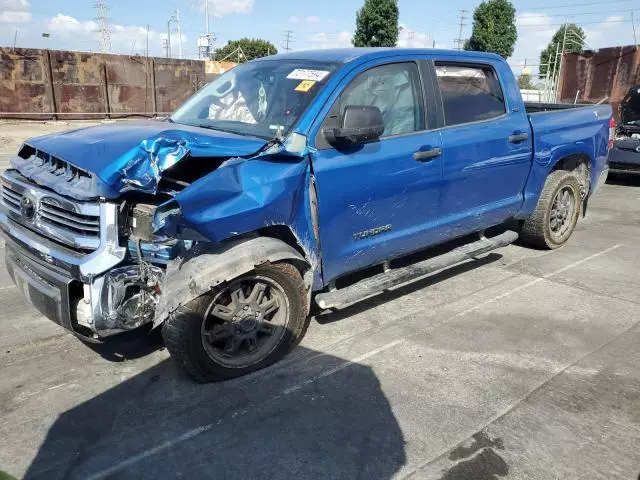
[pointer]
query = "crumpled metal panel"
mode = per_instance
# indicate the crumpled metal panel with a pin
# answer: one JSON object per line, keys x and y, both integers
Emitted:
{"x": 128, "y": 156}
{"x": 148, "y": 161}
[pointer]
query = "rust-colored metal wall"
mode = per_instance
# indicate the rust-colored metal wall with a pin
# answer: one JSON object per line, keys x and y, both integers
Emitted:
{"x": 594, "y": 75}
{"x": 91, "y": 85}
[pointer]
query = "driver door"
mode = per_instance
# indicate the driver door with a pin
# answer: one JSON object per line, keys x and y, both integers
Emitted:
{"x": 380, "y": 199}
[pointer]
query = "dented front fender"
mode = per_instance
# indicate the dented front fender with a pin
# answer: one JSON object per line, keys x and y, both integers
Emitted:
{"x": 208, "y": 265}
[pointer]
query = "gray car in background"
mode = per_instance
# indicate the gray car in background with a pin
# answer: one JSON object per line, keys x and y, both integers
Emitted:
{"x": 624, "y": 157}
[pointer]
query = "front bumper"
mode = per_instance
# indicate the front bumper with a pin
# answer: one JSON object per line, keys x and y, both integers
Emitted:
{"x": 63, "y": 284}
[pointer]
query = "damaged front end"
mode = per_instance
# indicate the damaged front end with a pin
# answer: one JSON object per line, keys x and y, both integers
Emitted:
{"x": 130, "y": 295}
{"x": 97, "y": 265}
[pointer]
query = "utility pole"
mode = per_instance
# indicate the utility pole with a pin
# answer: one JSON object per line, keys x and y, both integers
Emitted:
{"x": 460, "y": 40}
{"x": 564, "y": 43}
{"x": 633, "y": 25}
{"x": 165, "y": 46}
{"x": 15, "y": 40}
{"x": 147, "y": 54}
{"x": 103, "y": 25}
{"x": 206, "y": 14}
{"x": 177, "y": 20}
{"x": 287, "y": 39}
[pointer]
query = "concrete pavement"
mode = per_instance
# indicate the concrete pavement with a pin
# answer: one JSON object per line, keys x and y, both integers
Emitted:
{"x": 523, "y": 364}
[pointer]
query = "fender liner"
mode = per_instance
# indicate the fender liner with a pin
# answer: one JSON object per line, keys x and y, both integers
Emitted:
{"x": 207, "y": 265}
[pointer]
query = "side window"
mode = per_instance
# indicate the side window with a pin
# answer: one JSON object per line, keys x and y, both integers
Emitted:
{"x": 395, "y": 90}
{"x": 469, "y": 93}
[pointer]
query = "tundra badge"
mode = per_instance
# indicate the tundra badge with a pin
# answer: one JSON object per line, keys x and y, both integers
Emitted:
{"x": 372, "y": 232}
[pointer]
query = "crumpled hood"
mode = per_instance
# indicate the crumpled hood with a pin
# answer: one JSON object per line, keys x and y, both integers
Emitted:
{"x": 129, "y": 155}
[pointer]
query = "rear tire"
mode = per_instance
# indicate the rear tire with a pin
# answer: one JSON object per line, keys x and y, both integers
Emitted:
{"x": 556, "y": 214}
{"x": 244, "y": 326}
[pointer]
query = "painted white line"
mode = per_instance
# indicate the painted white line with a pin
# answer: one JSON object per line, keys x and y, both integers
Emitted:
{"x": 55, "y": 387}
{"x": 537, "y": 280}
{"x": 342, "y": 366}
{"x": 147, "y": 453}
{"x": 197, "y": 431}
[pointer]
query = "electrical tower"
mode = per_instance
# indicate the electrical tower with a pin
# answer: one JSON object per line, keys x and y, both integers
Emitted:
{"x": 206, "y": 41}
{"x": 287, "y": 39}
{"x": 460, "y": 40}
{"x": 165, "y": 47}
{"x": 103, "y": 24}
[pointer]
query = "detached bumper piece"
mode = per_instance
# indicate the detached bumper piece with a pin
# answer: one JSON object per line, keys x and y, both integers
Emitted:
{"x": 395, "y": 277}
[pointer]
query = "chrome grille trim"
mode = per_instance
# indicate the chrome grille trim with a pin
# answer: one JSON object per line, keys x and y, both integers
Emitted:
{"x": 72, "y": 223}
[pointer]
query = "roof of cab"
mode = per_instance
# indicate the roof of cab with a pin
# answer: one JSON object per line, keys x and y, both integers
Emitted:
{"x": 344, "y": 55}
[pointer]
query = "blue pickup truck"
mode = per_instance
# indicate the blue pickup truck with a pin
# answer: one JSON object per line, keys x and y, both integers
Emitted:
{"x": 310, "y": 180}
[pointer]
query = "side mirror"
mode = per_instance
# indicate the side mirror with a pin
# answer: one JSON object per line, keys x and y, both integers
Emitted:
{"x": 359, "y": 124}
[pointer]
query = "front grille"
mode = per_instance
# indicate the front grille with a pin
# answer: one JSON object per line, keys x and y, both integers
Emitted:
{"x": 74, "y": 224}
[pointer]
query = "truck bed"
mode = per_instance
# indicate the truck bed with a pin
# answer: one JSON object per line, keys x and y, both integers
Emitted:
{"x": 537, "y": 107}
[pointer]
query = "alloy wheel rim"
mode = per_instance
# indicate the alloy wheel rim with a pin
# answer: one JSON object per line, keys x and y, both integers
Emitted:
{"x": 562, "y": 211}
{"x": 245, "y": 322}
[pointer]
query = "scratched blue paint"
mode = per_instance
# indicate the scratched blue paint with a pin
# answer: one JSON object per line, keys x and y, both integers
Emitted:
{"x": 480, "y": 180}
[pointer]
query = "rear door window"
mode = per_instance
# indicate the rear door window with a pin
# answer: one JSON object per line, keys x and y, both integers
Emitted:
{"x": 469, "y": 93}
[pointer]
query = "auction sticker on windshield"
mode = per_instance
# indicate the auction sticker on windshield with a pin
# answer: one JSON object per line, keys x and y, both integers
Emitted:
{"x": 305, "y": 85}
{"x": 304, "y": 74}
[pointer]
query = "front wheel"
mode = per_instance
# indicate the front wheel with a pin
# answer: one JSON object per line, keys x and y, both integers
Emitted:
{"x": 556, "y": 213}
{"x": 246, "y": 325}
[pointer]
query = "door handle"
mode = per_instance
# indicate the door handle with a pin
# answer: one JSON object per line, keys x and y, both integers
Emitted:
{"x": 424, "y": 155}
{"x": 518, "y": 137}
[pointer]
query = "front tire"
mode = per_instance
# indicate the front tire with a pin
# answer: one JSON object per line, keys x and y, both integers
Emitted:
{"x": 246, "y": 325}
{"x": 556, "y": 213}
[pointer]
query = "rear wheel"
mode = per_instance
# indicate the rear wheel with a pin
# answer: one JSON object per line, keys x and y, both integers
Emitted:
{"x": 246, "y": 325}
{"x": 556, "y": 213}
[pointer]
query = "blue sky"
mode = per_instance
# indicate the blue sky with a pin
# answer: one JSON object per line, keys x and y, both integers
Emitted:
{"x": 71, "y": 23}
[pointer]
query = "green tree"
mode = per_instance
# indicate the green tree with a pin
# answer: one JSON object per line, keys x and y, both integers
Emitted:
{"x": 524, "y": 82}
{"x": 573, "y": 43}
{"x": 494, "y": 28}
{"x": 377, "y": 24}
{"x": 250, "y": 47}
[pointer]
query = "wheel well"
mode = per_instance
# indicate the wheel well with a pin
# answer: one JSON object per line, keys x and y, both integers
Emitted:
{"x": 581, "y": 165}
{"x": 286, "y": 235}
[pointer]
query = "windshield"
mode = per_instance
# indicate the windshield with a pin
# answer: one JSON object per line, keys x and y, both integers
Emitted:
{"x": 261, "y": 98}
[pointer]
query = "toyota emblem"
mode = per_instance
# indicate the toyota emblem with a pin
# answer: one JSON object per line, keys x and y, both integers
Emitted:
{"x": 28, "y": 208}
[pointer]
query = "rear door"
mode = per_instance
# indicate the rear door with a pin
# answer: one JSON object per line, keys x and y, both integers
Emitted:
{"x": 487, "y": 147}
{"x": 379, "y": 200}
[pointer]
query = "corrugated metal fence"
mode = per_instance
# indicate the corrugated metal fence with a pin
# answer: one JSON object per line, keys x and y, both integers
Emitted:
{"x": 46, "y": 84}
{"x": 607, "y": 73}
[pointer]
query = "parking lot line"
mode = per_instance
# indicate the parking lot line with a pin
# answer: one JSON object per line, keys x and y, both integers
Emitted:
{"x": 132, "y": 460}
{"x": 517, "y": 402}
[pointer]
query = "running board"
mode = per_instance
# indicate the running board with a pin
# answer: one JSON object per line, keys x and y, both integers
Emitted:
{"x": 392, "y": 278}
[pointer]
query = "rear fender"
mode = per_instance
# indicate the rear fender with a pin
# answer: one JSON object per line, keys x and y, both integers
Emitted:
{"x": 543, "y": 164}
{"x": 208, "y": 265}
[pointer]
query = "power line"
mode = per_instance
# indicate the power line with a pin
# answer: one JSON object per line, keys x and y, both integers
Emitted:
{"x": 560, "y": 24}
{"x": 538, "y": 15}
{"x": 287, "y": 39}
{"x": 460, "y": 40}
{"x": 103, "y": 25}
{"x": 578, "y": 5}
